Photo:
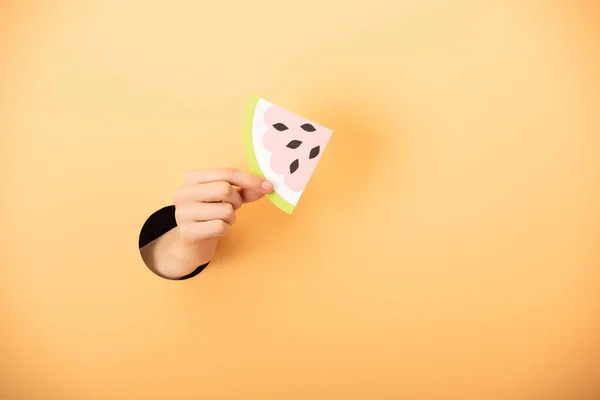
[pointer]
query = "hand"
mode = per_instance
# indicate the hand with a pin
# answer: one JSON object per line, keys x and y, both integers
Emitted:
{"x": 207, "y": 202}
{"x": 205, "y": 207}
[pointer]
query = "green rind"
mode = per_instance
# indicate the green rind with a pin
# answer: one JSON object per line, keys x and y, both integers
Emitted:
{"x": 280, "y": 202}
{"x": 274, "y": 197}
{"x": 247, "y": 136}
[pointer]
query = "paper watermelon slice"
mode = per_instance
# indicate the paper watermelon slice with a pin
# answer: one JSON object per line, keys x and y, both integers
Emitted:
{"x": 284, "y": 148}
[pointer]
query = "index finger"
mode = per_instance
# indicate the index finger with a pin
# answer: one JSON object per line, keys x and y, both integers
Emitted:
{"x": 233, "y": 176}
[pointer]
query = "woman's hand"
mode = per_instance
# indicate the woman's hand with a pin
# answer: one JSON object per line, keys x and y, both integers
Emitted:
{"x": 205, "y": 209}
{"x": 207, "y": 201}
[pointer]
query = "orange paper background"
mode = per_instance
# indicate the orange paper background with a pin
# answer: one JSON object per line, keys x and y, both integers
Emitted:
{"x": 446, "y": 247}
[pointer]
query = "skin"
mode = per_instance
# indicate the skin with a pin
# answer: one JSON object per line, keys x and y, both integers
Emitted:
{"x": 205, "y": 210}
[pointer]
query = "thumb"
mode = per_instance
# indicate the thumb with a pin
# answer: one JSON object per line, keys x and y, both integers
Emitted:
{"x": 249, "y": 195}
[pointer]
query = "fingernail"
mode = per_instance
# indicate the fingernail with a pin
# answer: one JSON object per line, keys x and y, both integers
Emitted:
{"x": 268, "y": 186}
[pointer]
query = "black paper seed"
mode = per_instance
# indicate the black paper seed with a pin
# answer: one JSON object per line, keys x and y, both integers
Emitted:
{"x": 314, "y": 152}
{"x": 294, "y": 166}
{"x": 280, "y": 127}
{"x": 294, "y": 144}
{"x": 308, "y": 127}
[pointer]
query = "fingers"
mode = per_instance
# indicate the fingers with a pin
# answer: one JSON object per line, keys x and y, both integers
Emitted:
{"x": 209, "y": 192}
{"x": 233, "y": 176}
{"x": 206, "y": 204}
{"x": 248, "y": 196}
{"x": 202, "y": 212}
{"x": 196, "y": 232}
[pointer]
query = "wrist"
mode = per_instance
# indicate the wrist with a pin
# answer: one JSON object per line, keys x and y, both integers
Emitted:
{"x": 171, "y": 257}
{"x": 191, "y": 255}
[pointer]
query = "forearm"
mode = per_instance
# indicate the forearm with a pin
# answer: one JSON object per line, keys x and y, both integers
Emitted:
{"x": 170, "y": 257}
